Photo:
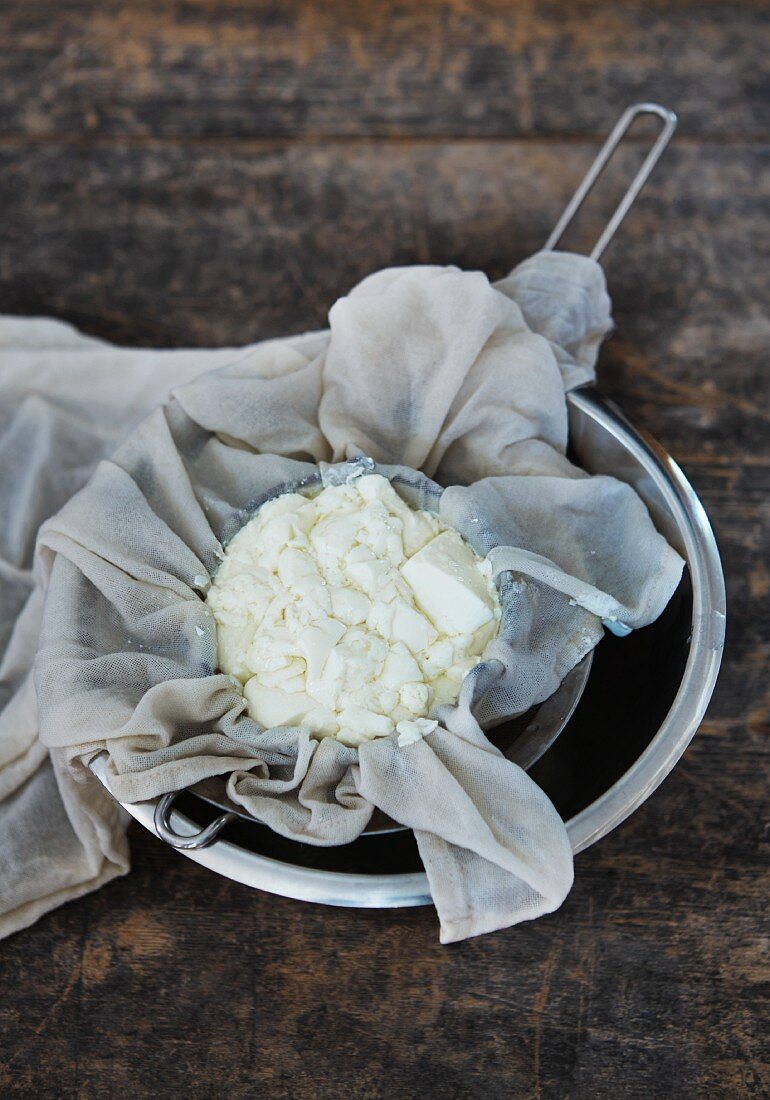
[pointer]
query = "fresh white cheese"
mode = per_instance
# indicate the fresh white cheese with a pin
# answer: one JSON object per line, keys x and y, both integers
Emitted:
{"x": 350, "y": 613}
{"x": 449, "y": 585}
{"x": 411, "y": 731}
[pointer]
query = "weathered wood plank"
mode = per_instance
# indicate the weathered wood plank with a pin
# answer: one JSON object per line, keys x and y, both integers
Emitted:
{"x": 450, "y": 67}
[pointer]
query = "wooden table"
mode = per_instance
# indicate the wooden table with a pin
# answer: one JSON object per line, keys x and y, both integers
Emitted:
{"x": 204, "y": 173}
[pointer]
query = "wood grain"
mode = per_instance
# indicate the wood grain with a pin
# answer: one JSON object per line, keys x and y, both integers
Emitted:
{"x": 208, "y": 173}
{"x": 198, "y": 68}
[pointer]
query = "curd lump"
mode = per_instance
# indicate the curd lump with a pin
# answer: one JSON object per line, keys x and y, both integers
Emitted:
{"x": 350, "y": 612}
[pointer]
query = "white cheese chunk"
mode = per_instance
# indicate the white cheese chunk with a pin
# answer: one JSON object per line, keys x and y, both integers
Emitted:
{"x": 410, "y": 731}
{"x": 316, "y": 643}
{"x": 448, "y": 585}
{"x": 349, "y": 605}
{"x": 350, "y": 612}
{"x": 415, "y": 697}
{"x": 271, "y": 706}
{"x": 366, "y": 723}
{"x": 400, "y": 667}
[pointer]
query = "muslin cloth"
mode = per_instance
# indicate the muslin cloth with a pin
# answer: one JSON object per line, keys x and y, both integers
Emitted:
{"x": 432, "y": 369}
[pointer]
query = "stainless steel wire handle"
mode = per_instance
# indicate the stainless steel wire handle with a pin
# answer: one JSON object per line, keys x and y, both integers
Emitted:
{"x": 669, "y": 120}
{"x": 165, "y": 830}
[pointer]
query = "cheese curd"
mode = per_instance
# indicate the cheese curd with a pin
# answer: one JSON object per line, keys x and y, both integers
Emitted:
{"x": 350, "y": 612}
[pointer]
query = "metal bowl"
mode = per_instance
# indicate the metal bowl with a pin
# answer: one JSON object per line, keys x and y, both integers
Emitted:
{"x": 643, "y": 702}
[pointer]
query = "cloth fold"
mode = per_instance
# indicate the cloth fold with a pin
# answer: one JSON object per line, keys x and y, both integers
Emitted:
{"x": 430, "y": 369}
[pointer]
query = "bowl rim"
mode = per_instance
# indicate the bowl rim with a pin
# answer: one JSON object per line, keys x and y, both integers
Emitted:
{"x": 707, "y": 628}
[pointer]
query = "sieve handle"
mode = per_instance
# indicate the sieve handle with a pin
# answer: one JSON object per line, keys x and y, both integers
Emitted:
{"x": 669, "y": 120}
{"x": 165, "y": 830}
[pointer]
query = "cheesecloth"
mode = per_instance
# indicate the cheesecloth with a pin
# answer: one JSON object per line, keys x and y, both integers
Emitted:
{"x": 424, "y": 369}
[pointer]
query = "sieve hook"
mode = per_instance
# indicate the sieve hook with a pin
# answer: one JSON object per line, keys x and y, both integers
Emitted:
{"x": 166, "y": 831}
{"x": 669, "y": 120}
